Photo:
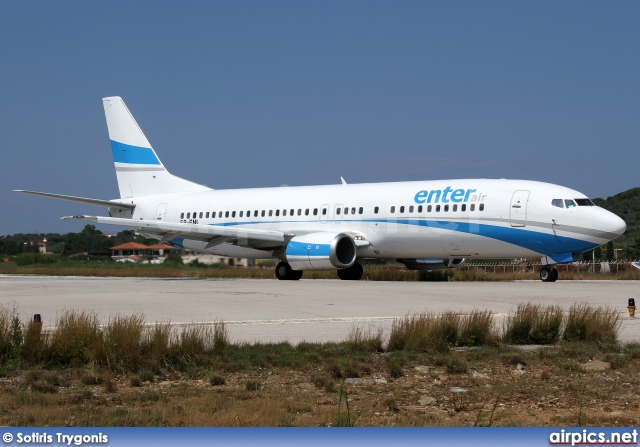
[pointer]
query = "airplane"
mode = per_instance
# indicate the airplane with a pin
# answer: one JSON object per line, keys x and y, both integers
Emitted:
{"x": 425, "y": 225}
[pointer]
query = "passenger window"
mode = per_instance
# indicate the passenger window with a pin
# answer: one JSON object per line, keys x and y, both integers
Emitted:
{"x": 455, "y": 208}
{"x": 195, "y": 215}
{"x": 188, "y": 215}
{"x": 291, "y": 212}
{"x": 241, "y": 213}
{"x": 255, "y": 213}
{"x": 270, "y": 213}
{"x": 393, "y": 209}
{"x": 437, "y": 208}
{"x": 481, "y": 207}
{"x": 429, "y": 208}
{"x": 419, "y": 208}
{"x": 353, "y": 210}
{"x": 248, "y": 213}
{"x": 463, "y": 207}
{"x": 375, "y": 210}
{"x": 299, "y": 212}
{"x": 324, "y": 211}
{"x": 226, "y": 214}
{"x": 346, "y": 210}
{"x": 277, "y": 212}
{"x": 213, "y": 214}
{"x": 446, "y": 208}
{"x": 360, "y": 210}
{"x": 306, "y": 212}
{"x": 569, "y": 203}
{"x": 315, "y": 211}
{"x": 402, "y": 209}
{"x": 263, "y": 213}
{"x": 473, "y": 207}
{"x": 233, "y": 214}
{"x": 207, "y": 215}
{"x": 181, "y": 215}
{"x": 338, "y": 210}
{"x": 200, "y": 214}
{"x": 411, "y": 209}
{"x": 557, "y": 202}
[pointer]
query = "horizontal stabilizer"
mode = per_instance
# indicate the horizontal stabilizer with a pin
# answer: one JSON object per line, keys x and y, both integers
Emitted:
{"x": 190, "y": 231}
{"x": 97, "y": 202}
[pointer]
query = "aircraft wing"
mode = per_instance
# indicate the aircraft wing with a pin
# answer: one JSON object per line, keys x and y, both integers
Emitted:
{"x": 97, "y": 202}
{"x": 211, "y": 234}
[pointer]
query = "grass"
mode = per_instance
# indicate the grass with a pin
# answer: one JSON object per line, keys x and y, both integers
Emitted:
{"x": 371, "y": 272}
{"x": 585, "y": 323}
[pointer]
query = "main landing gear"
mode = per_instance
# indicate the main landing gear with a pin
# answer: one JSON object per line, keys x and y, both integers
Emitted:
{"x": 548, "y": 274}
{"x": 353, "y": 273}
{"x": 285, "y": 272}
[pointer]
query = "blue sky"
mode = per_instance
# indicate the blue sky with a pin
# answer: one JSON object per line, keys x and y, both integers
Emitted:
{"x": 256, "y": 94}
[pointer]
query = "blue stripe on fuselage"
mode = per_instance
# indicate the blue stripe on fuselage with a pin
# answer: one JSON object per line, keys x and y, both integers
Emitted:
{"x": 532, "y": 240}
{"x": 124, "y": 153}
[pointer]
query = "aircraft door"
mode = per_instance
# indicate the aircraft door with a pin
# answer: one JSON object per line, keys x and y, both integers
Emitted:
{"x": 161, "y": 211}
{"x": 518, "y": 210}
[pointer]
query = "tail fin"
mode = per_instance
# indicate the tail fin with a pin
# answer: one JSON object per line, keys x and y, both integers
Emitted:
{"x": 138, "y": 169}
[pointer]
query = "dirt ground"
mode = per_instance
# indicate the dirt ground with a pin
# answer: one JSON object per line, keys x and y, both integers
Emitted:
{"x": 562, "y": 386}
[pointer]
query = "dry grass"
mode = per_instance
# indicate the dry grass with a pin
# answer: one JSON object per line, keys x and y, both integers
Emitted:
{"x": 477, "y": 329}
{"x": 369, "y": 340}
{"x": 585, "y": 323}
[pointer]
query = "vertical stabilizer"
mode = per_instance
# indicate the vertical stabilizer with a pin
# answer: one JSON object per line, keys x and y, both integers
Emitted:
{"x": 138, "y": 169}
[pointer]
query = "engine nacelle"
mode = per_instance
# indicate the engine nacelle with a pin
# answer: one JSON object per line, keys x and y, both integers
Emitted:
{"x": 431, "y": 263}
{"x": 321, "y": 251}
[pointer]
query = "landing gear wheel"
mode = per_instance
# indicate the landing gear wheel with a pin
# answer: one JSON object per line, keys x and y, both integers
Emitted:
{"x": 353, "y": 273}
{"x": 548, "y": 274}
{"x": 284, "y": 272}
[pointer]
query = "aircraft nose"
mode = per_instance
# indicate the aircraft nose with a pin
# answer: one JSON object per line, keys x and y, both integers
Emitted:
{"x": 604, "y": 220}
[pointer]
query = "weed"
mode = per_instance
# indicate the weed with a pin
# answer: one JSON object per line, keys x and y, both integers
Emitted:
{"x": 135, "y": 381}
{"x": 546, "y": 328}
{"x": 110, "y": 386}
{"x": 476, "y": 329}
{"x": 324, "y": 382}
{"x": 344, "y": 418}
{"x": 519, "y": 325}
{"x": 217, "y": 380}
{"x": 91, "y": 378}
{"x": 585, "y": 323}
{"x": 253, "y": 385}
{"x": 456, "y": 365}
{"x": 122, "y": 342}
{"x": 220, "y": 337}
{"x": 360, "y": 340}
{"x": 146, "y": 375}
{"x": 394, "y": 367}
{"x": 74, "y": 334}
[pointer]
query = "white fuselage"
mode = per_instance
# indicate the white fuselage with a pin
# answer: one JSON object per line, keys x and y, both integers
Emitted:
{"x": 472, "y": 218}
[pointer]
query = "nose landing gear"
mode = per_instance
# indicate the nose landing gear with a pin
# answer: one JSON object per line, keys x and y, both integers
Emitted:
{"x": 548, "y": 274}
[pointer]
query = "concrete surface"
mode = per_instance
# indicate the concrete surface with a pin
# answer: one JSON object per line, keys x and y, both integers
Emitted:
{"x": 294, "y": 311}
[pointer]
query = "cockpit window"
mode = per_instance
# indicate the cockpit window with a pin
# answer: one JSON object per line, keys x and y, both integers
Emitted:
{"x": 557, "y": 202}
{"x": 569, "y": 203}
{"x": 584, "y": 202}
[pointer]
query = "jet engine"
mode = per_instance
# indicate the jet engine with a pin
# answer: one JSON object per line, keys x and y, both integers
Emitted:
{"x": 321, "y": 251}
